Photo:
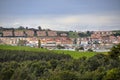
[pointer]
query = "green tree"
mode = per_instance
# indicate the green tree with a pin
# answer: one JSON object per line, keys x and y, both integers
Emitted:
{"x": 22, "y": 43}
{"x": 39, "y": 43}
{"x": 90, "y": 50}
{"x": 113, "y": 74}
{"x": 39, "y": 28}
{"x": 6, "y": 74}
{"x": 23, "y": 74}
{"x": 79, "y": 48}
{"x": 64, "y": 75}
{"x": 53, "y": 64}
{"x": 20, "y": 28}
{"x": 115, "y": 52}
{"x": 60, "y": 47}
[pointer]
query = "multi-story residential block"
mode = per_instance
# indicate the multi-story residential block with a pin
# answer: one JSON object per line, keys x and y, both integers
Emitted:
{"x": 118, "y": 37}
{"x": 10, "y": 41}
{"x": 112, "y": 38}
{"x": 65, "y": 40}
{"x": 41, "y": 33}
{"x": 63, "y": 34}
{"x": 103, "y": 33}
{"x": 50, "y": 40}
{"x": 52, "y": 33}
{"x": 19, "y": 33}
{"x": 7, "y": 33}
{"x": 29, "y": 33}
{"x": 95, "y": 36}
{"x": 58, "y": 41}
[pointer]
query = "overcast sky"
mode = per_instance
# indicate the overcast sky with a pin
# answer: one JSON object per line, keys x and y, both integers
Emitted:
{"x": 80, "y": 15}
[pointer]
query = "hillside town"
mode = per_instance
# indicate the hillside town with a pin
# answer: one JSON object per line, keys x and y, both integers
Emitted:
{"x": 51, "y": 39}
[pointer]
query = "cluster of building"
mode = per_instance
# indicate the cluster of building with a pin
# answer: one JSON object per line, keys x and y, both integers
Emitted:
{"x": 48, "y": 38}
{"x": 30, "y": 33}
{"x": 46, "y": 42}
{"x": 99, "y": 40}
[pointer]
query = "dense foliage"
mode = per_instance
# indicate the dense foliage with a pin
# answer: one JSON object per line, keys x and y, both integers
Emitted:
{"x": 116, "y": 33}
{"x": 26, "y": 65}
{"x": 87, "y": 34}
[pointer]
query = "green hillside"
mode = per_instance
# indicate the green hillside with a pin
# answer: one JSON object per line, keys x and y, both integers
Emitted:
{"x": 74, "y": 54}
{"x": 73, "y": 34}
{"x": 21, "y": 48}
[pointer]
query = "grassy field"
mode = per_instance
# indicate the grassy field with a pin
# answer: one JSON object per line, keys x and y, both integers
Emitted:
{"x": 24, "y": 48}
{"x": 74, "y": 54}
